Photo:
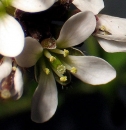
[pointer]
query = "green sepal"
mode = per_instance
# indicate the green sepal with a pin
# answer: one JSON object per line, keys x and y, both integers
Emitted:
{"x": 5, "y": 7}
{"x": 2, "y": 10}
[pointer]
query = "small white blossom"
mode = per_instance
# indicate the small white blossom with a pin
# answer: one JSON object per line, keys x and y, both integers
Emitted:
{"x": 56, "y": 59}
{"x": 111, "y": 33}
{"x": 89, "y": 5}
{"x": 11, "y": 82}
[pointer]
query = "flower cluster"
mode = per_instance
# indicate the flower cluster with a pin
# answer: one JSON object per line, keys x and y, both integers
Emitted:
{"x": 25, "y": 44}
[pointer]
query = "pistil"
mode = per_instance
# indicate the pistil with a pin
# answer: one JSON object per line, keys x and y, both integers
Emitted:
{"x": 71, "y": 69}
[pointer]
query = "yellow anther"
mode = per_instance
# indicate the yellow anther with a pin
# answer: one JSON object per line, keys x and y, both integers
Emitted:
{"x": 47, "y": 71}
{"x": 103, "y": 28}
{"x": 66, "y": 52}
{"x": 14, "y": 68}
{"x": 5, "y": 94}
{"x": 63, "y": 78}
{"x": 52, "y": 58}
{"x": 73, "y": 70}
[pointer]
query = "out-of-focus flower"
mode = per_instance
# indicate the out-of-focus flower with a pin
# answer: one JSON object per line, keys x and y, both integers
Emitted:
{"x": 111, "y": 33}
{"x": 11, "y": 33}
{"x": 30, "y": 5}
{"x": 11, "y": 82}
{"x": 89, "y": 5}
{"x": 57, "y": 60}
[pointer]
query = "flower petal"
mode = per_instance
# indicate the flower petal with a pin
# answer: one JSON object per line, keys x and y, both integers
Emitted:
{"x": 91, "y": 69}
{"x": 5, "y": 67}
{"x": 112, "y": 46}
{"x": 45, "y": 100}
{"x": 30, "y": 54}
{"x": 111, "y": 28}
{"x": 18, "y": 84}
{"x": 89, "y": 5}
{"x": 32, "y": 5}
{"x": 11, "y": 36}
{"x": 76, "y": 29}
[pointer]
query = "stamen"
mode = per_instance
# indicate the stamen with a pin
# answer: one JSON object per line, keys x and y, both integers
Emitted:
{"x": 104, "y": 30}
{"x": 47, "y": 71}
{"x": 66, "y": 52}
{"x": 49, "y": 56}
{"x": 14, "y": 68}
{"x": 5, "y": 93}
{"x": 73, "y": 70}
{"x": 52, "y": 58}
{"x": 58, "y": 51}
{"x": 63, "y": 78}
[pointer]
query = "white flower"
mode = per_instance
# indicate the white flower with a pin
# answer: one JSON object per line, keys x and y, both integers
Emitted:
{"x": 11, "y": 82}
{"x": 59, "y": 59}
{"x": 11, "y": 33}
{"x": 30, "y": 5}
{"x": 111, "y": 33}
{"x": 89, "y": 5}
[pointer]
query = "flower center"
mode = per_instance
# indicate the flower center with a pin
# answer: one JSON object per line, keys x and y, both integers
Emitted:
{"x": 54, "y": 55}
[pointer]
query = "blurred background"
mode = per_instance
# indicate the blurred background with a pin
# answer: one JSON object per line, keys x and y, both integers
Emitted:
{"x": 81, "y": 106}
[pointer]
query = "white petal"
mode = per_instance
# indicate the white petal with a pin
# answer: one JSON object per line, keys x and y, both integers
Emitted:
{"x": 30, "y": 54}
{"x": 112, "y": 46}
{"x": 11, "y": 36}
{"x": 32, "y": 5}
{"x": 18, "y": 84}
{"x": 5, "y": 67}
{"x": 45, "y": 100}
{"x": 89, "y": 5}
{"x": 76, "y": 29}
{"x": 92, "y": 70}
{"x": 114, "y": 27}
